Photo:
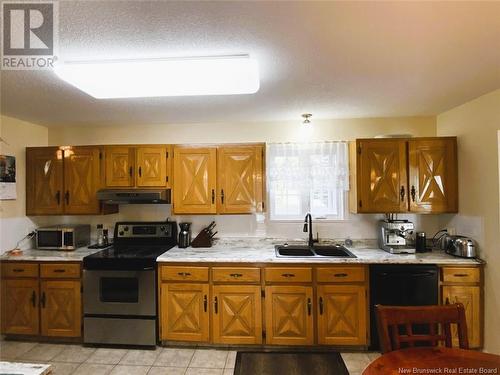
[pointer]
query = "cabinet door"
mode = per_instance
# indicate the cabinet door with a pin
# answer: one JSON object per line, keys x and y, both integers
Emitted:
{"x": 194, "y": 180}
{"x": 289, "y": 318}
{"x": 433, "y": 175}
{"x": 237, "y": 314}
{"x": 342, "y": 314}
{"x": 381, "y": 175}
{"x": 119, "y": 166}
{"x": 44, "y": 181}
{"x": 151, "y": 165}
{"x": 184, "y": 312}
{"x": 239, "y": 179}
{"x": 82, "y": 179}
{"x": 469, "y": 296}
{"x": 61, "y": 308}
{"x": 20, "y": 306}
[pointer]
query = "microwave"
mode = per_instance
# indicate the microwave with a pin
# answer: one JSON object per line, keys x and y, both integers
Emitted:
{"x": 63, "y": 237}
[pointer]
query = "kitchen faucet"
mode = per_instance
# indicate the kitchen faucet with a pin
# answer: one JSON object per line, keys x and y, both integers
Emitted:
{"x": 308, "y": 226}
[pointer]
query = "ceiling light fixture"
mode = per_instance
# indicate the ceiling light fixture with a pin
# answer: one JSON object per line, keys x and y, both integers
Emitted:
{"x": 214, "y": 75}
{"x": 306, "y": 117}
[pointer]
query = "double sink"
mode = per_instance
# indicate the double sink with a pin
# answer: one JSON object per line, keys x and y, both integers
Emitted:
{"x": 318, "y": 251}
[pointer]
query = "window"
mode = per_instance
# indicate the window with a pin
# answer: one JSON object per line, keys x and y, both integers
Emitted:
{"x": 307, "y": 177}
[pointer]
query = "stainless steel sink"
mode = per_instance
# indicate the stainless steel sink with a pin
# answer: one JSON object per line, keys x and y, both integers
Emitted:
{"x": 318, "y": 251}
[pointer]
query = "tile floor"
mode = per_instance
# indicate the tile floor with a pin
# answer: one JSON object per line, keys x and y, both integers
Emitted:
{"x": 79, "y": 360}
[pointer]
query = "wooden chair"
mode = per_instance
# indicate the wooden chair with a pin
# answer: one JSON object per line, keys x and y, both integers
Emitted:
{"x": 392, "y": 320}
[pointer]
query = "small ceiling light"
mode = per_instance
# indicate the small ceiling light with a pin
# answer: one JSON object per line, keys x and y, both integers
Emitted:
{"x": 307, "y": 117}
{"x": 213, "y": 75}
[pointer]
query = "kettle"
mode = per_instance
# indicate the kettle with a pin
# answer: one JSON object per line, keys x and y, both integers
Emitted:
{"x": 461, "y": 246}
{"x": 184, "y": 235}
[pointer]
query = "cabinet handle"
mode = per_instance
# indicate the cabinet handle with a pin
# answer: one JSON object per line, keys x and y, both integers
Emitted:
{"x": 460, "y": 275}
{"x": 413, "y": 193}
{"x": 42, "y": 300}
{"x": 58, "y": 197}
{"x": 205, "y": 303}
{"x": 222, "y": 196}
{"x": 18, "y": 270}
{"x": 140, "y": 171}
{"x": 320, "y": 305}
{"x": 287, "y": 275}
{"x": 213, "y": 196}
{"x": 236, "y": 275}
{"x": 66, "y": 196}
{"x": 340, "y": 275}
{"x": 402, "y": 193}
{"x": 216, "y": 305}
{"x": 184, "y": 274}
{"x": 59, "y": 270}
{"x": 130, "y": 171}
{"x": 309, "y": 306}
{"x": 33, "y": 299}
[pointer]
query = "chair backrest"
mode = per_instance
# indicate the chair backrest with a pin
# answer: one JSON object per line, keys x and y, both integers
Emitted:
{"x": 396, "y": 325}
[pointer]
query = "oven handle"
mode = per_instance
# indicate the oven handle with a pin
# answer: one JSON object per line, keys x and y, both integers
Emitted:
{"x": 148, "y": 269}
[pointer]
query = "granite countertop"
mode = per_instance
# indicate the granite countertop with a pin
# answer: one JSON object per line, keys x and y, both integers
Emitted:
{"x": 51, "y": 255}
{"x": 259, "y": 250}
{"x": 12, "y": 368}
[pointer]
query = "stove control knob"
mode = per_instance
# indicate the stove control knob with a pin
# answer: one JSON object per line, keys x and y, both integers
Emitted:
{"x": 162, "y": 229}
{"x": 126, "y": 229}
{"x": 121, "y": 233}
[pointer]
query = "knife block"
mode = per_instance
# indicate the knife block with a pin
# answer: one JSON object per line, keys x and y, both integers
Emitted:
{"x": 202, "y": 240}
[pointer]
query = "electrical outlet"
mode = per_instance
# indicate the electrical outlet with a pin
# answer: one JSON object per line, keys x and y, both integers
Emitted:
{"x": 451, "y": 231}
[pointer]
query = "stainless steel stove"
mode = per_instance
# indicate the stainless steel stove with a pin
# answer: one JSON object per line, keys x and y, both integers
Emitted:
{"x": 119, "y": 285}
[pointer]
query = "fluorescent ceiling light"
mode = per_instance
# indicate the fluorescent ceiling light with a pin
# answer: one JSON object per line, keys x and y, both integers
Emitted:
{"x": 217, "y": 75}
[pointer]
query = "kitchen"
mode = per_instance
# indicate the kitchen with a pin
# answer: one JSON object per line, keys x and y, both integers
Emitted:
{"x": 84, "y": 136}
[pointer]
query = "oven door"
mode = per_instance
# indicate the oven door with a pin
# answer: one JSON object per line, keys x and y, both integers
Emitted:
{"x": 119, "y": 293}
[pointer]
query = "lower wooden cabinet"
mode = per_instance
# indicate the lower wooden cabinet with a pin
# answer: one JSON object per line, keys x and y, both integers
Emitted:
{"x": 289, "y": 316}
{"x": 61, "y": 308}
{"x": 20, "y": 306}
{"x": 184, "y": 312}
{"x": 342, "y": 314}
{"x": 237, "y": 314}
{"x": 46, "y": 306}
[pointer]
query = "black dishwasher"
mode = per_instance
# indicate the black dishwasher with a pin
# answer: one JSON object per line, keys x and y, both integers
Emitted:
{"x": 400, "y": 285}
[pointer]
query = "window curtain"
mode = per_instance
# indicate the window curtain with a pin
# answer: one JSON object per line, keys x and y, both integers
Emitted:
{"x": 307, "y": 166}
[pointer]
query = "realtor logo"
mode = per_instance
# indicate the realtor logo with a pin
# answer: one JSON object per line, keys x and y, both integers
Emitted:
{"x": 29, "y": 34}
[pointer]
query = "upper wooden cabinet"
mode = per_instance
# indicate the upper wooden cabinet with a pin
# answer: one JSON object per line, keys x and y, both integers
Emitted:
{"x": 194, "y": 180}
{"x": 137, "y": 166}
{"x": 404, "y": 175}
{"x": 225, "y": 179}
{"x": 64, "y": 180}
{"x": 433, "y": 178}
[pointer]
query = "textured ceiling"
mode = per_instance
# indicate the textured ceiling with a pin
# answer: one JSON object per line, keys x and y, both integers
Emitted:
{"x": 334, "y": 59}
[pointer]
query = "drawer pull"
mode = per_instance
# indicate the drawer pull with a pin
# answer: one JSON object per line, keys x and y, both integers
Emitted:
{"x": 184, "y": 274}
{"x": 287, "y": 275}
{"x": 340, "y": 275}
{"x": 59, "y": 270}
{"x": 309, "y": 306}
{"x": 460, "y": 274}
{"x": 236, "y": 275}
{"x": 17, "y": 270}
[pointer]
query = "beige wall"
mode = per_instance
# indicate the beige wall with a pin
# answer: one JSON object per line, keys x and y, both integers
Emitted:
{"x": 18, "y": 134}
{"x": 243, "y": 132}
{"x": 357, "y": 226}
{"x": 476, "y": 124}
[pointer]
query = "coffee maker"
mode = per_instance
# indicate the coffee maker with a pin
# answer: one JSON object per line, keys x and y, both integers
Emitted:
{"x": 184, "y": 235}
{"x": 394, "y": 236}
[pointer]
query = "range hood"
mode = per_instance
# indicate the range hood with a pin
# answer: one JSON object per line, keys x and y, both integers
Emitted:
{"x": 134, "y": 196}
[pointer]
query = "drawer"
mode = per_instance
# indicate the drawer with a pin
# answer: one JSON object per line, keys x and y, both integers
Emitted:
{"x": 289, "y": 274}
{"x": 340, "y": 274}
{"x": 238, "y": 275}
{"x": 60, "y": 270}
{"x": 461, "y": 274}
{"x": 184, "y": 273}
{"x": 19, "y": 269}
